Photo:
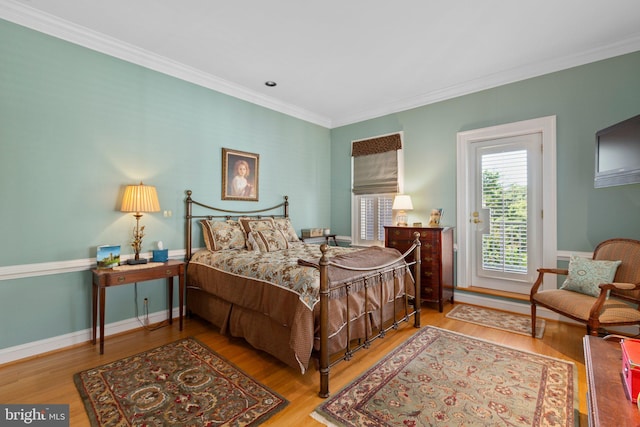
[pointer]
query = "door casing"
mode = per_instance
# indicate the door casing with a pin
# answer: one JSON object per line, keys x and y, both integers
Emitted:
{"x": 546, "y": 126}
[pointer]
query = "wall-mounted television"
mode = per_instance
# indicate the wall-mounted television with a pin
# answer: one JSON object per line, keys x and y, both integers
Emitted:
{"x": 618, "y": 154}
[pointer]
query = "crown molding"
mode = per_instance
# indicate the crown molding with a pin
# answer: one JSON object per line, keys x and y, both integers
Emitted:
{"x": 29, "y": 17}
{"x": 629, "y": 45}
{"x": 37, "y": 20}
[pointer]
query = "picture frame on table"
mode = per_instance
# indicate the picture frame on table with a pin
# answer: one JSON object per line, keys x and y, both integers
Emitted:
{"x": 240, "y": 175}
{"x": 435, "y": 217}
{"x": 108, "y": 256}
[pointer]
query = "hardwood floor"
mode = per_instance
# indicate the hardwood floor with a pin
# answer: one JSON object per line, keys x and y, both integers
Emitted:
{"x": 48, "y": 379}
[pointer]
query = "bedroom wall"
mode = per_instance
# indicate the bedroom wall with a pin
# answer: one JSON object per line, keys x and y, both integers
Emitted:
{"x": 75, "y": 127}
{"x": 584, "y": 99}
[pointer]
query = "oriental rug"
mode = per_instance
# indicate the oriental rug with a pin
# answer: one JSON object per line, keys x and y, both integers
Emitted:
{"x": 496, "y": 319}
{"x": 439, "y": 377}
{"x": 179, "y": 384}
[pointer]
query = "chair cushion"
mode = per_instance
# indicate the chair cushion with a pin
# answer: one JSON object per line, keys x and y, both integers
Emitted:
{"x": 586, "y": 274}
{"x": 579, "y": 305}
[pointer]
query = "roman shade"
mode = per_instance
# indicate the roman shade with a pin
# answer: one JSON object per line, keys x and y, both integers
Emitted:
{"x": 375, "y": 164}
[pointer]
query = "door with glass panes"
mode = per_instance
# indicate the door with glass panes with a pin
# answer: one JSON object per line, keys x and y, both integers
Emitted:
{"x": 506, "y": 214}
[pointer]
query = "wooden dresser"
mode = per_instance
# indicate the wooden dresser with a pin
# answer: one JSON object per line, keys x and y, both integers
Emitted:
{"x": 437, "y": 259}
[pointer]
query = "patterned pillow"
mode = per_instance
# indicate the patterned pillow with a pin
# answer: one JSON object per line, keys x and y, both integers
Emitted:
{"x": 586, "y": 274}
{"x": 284, "y": 225}
{"x": 267, "y": 240}
{"x": 256, "y": 224}
{"x": 220, "y": 235}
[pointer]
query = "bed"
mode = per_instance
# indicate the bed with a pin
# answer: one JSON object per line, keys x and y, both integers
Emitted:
{"x": 297, "y": 301}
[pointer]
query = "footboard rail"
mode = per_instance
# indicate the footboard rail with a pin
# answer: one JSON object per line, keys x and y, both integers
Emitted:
{"x": 376, "y": 275}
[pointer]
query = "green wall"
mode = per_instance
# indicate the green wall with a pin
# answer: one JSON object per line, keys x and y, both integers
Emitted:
{"x": 76, "y": 126}
{"x": 584, "y": 99}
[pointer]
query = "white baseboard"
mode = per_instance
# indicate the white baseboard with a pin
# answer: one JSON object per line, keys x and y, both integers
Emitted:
{"x": 11, "y": 354}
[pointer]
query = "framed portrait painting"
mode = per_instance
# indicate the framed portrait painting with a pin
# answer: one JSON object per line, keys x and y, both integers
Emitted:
{"x": 240, "y": 175}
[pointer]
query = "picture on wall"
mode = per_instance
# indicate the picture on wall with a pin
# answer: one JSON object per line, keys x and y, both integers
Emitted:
{"x": 240, "y": 175}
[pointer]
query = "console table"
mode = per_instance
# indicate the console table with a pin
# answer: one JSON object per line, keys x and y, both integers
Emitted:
{"x": 104, "y": 278}
{"x": 608, "y": 404}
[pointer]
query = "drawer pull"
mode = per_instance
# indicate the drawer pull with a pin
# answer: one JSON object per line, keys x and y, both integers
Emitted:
{"x": 121, "y": 279}
{"x": 169, "y": 273}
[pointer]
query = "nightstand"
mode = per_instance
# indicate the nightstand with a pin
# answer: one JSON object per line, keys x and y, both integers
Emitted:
{"x": 104, "y": 278}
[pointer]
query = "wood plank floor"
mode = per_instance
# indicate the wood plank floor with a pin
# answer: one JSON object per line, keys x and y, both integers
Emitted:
{"x": 48, "y": 379}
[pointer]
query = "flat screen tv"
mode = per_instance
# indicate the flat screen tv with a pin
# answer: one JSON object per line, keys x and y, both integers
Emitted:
{"x": 618, "y": 154}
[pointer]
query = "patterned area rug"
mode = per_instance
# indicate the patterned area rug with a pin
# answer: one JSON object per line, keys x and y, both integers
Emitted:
{"x": 179, "y": 384}
{"x": 496, "y": 319}
{"x": 439, "y": 377}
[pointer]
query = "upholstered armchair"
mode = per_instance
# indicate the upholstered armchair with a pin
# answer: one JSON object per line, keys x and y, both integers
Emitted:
{"x": 601, "y": 303}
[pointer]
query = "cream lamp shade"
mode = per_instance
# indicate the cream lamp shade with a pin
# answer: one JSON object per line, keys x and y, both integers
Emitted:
{"x": 139, "y": 198}
{"x": 402, "y": 203}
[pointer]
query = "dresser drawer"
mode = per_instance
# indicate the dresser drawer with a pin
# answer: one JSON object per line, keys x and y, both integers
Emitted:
{"x": 436, "y": 254}
{"x": 115, "y": 278}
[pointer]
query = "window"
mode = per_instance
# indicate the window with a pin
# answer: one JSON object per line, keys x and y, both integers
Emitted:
{"x": 374, "y": 212}
{"x": 505, "y": 196}
{"x": 376, "y": 168}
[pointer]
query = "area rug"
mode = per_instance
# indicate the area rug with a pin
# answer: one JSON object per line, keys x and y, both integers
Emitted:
{"x": 179, "y": 384}
{"x": 439, "y": 377}
{"x": 496, "y": 319}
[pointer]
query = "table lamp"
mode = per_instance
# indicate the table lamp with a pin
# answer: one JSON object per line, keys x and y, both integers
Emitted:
{"x": 139, "y": 198}
{"x": 402, "y": 203}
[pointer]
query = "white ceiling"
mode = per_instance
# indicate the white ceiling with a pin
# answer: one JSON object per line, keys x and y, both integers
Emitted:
{"x": 341, "y": 61}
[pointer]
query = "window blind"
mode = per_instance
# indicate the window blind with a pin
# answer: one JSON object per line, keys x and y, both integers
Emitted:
{"x": 504, "y": 193}
{"x": 375, "y": 164}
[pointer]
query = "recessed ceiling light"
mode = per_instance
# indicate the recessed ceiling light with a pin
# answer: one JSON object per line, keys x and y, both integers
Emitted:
{"x": 270, "y": 83}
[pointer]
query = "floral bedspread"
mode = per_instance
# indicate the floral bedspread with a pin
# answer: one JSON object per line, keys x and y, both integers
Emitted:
{"x": 279, "y": 267}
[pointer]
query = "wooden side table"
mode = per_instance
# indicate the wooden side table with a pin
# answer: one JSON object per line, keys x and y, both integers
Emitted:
{"x": 607, "y": 399}
{"x": 326, "y": 237}
{"x": 104, "y": 278}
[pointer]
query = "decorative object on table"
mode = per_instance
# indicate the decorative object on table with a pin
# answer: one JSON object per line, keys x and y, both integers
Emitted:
{"x": 417, "y": 224}
{"x": 307, "y": 233}
{"x": 160, "y": 254}
{"x": 631, "y": 368}
{"x": 402, "y": 203}
{"x": 240, "y": 175}
{"x": 435, "y": 217}
{"x": 496, "y": 319}
{"x": 108, "y": 256}
{"x": 182, "y": 383}
{"x": 139, "y": 198}
{"x": 326, "y": 232}
{"x": 440, "y": 377}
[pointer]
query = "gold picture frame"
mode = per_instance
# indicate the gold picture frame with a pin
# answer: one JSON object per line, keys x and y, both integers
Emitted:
{"x": 240, "y": 173}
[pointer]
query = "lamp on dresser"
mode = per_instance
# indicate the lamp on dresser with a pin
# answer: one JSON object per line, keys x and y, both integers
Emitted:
{"x": 402, "y": 203}
{"x": 138, "y": 199}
